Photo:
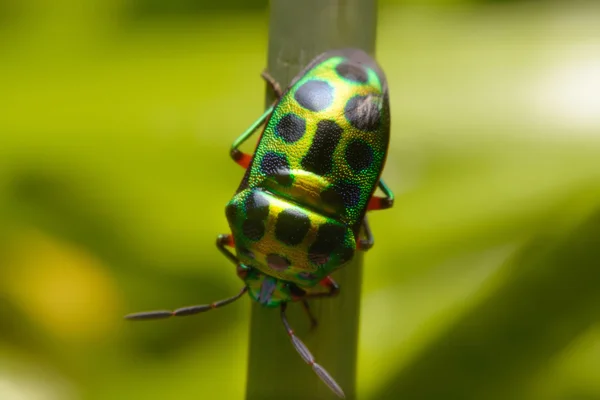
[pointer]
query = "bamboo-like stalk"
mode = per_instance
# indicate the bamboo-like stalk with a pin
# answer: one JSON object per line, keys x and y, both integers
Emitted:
{"x": 299, "y": 31}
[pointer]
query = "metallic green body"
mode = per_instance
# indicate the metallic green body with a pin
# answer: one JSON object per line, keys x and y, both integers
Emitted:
{"x": 297, "y": 214}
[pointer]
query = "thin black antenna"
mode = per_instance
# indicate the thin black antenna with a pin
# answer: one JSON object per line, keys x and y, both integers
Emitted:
{"x": 308, "y": 357}
{"x": 184, "y": 311}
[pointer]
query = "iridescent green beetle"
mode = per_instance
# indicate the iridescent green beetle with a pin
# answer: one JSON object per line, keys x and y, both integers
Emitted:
{"x": 298, "y": 212}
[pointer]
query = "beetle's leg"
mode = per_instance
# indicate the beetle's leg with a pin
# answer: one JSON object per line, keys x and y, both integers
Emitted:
{"x": 238, "y": 156}
{"x": 333, "y": 290}
{"x": 375, "y": 203}
{"x": 273, "y": 83}
{"x": 299, "y": 294}
{"x": 381, "y": 203}
{"x": 367, "y": 242}
{"x": 308, "y": 357}
{"x": 226, "y": 239}
{"x": 313, "y": 320}
{"x": 330, "y": 284}
{"x": 244, "y": 158}
{"x": 184, "y": 311}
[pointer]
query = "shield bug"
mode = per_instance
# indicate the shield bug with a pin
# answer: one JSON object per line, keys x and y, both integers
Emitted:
{"x": 299, "y": 211}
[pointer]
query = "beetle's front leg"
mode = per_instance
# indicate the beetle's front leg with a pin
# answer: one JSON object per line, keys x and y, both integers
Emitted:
{"x": 226, "y": 239}
{"x": 240, "y": 157}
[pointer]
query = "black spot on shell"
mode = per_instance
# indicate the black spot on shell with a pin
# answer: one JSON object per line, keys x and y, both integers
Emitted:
{"x": 330, "y": 238}
{"x": 276, "y": 166}
{"x": 331, "y": 197}
{"x": 291, "y": 227}
{"x": 253, "y": 229}
{"x": 319, "y": 158}
{"x": 257, "y": 210}
{"x": 352, "y": 71}
{"x": 257, "y": 206}
{"x": 277, "y": 262}
{"x": 314, "y": 95}
{"x": 363, "y": 113}
{"x": 359, "y": 155}
{"x": 350, "y": 193}
{"x": 290, "y": 128}
{"x": 340, "y": 195}
{"x": 318, "y": 258}
{"x": 231, "y": 212}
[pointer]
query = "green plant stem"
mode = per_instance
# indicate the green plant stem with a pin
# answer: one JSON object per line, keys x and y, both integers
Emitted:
{"x": 299, "y": 31}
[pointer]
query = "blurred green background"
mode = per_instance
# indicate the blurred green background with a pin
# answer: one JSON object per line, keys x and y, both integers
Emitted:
{"x": 116, "y": 117}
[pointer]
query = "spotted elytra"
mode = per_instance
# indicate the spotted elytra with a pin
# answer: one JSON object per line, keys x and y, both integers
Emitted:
{"x": 297, "y": 215}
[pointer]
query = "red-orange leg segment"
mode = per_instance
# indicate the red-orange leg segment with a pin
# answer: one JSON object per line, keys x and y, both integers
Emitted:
{"x": 330, "y": 284}
{"x": 226, "y": 239}
{"x": 240, "y": 157}
{"x": 381, "y": 203}
{"x": 375, "y": 203}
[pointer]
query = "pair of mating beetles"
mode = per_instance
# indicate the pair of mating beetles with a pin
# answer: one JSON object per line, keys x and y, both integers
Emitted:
{"x": 298, "y": 213}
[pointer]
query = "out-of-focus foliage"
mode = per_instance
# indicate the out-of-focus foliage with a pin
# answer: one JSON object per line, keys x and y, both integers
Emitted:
{"x": 114, "y": 173}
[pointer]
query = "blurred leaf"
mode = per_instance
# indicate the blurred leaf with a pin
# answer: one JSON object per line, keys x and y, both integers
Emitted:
{"x": 548, "y": 298}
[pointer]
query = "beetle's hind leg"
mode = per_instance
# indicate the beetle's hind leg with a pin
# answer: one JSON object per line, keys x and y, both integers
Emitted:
{"x": 333, "y": 289}
{"x": 311, "y": 317}
{"x": 368, "y": 241}
{"x": 375, "y": 203}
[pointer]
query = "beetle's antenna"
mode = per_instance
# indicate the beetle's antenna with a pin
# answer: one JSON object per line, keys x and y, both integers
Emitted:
{"x": 184, "y": 311}
{"x": 308, "y": 357}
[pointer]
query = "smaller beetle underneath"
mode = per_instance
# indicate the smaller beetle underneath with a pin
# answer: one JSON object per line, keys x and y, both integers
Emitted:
{"x": 300, "y": 208}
